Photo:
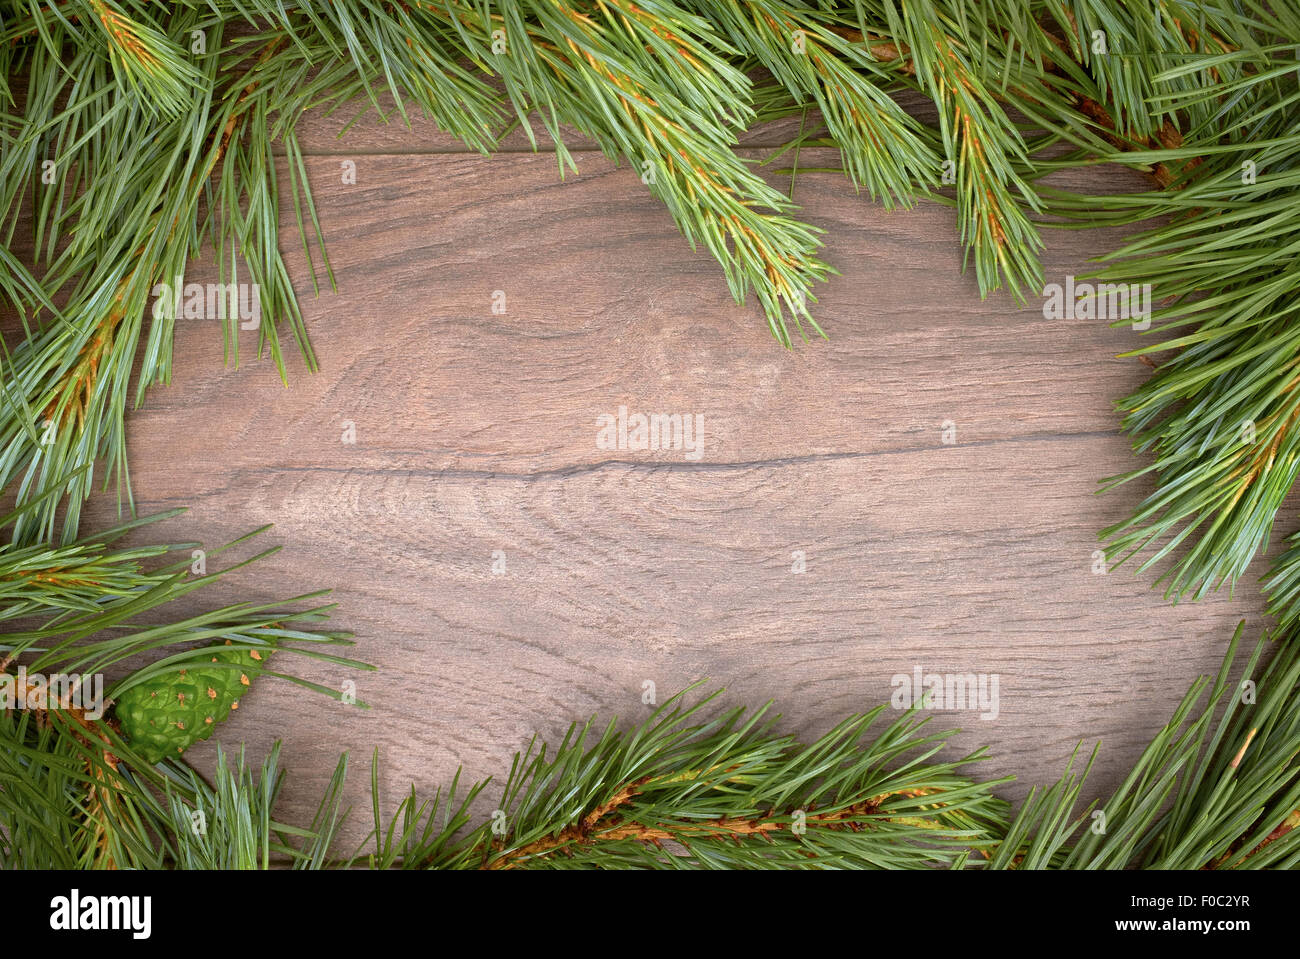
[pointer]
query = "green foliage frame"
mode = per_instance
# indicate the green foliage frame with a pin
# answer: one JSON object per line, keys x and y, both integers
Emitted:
{"x": 134, "y": 133}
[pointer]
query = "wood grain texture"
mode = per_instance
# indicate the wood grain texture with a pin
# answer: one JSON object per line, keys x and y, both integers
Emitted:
{"x": 476, "y": 432}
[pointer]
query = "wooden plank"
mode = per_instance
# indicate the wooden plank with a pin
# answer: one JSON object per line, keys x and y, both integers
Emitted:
{"x": 476, "y": 432}
{"x": 602, "y": 291}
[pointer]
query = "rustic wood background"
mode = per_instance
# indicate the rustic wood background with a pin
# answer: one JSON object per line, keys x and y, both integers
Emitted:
{"x": 475, "y": 432}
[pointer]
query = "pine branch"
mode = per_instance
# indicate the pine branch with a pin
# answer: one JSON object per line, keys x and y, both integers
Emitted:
{"x": 1217, "y": 788}
{"x": 731, "y": 793}
{"x": 814, "y": 58}
{"x": 1220, "y": 415}
{"x": 77, "y": 792}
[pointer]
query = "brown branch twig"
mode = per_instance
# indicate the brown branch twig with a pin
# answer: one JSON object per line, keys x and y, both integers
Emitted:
{"x": 606, "y": 824}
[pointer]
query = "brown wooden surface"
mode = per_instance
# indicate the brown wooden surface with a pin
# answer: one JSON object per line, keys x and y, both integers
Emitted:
{"x": 476, "y": 432}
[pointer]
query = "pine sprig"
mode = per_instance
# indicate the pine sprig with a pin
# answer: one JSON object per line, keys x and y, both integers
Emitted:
{"x": 75, "y": 791}
{"x": 145, "y": 61}
{"x": 817, "y": 60}
{"x": 985, "y": 150}
{"x": 1218, "y": 787}
{"x": 229, "y": 824}
{"x": 1220, "y": 415}
{"x": 731, "y": 793}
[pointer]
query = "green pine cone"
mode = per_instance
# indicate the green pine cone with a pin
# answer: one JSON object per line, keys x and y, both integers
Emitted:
{"x": 165, "y": 716}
